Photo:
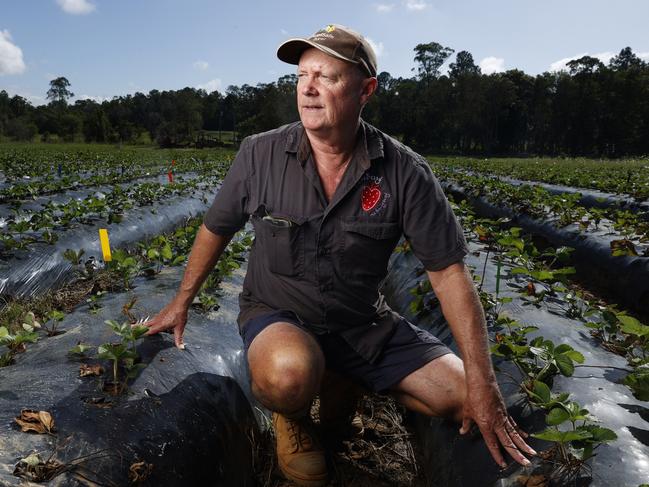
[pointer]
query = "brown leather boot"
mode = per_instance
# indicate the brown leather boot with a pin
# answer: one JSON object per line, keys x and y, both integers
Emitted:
{"x": 299, "y": 457}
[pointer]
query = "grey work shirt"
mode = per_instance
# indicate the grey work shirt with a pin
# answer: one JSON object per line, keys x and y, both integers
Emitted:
{"x": 325, "y": 261}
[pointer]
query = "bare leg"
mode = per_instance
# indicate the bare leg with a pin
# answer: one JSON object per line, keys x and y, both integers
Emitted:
{"x": 436, "y": 389}
{"x": 286, "y": 367}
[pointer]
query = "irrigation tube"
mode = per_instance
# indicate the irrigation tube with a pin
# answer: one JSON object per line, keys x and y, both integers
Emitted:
{"x": 625, "y": 277}
{"x": 454, "y": 460}
{"x": 189, "y": 413}
{"x": 42, "y": 267}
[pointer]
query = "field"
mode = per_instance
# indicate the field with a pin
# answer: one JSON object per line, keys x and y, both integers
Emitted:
{"x": 560, "y": 256}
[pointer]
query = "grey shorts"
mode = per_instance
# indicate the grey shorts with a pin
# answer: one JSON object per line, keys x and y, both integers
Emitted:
{"x": 408, "y": 349}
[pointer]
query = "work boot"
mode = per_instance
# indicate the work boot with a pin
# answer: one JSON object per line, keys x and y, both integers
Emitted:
{"x": 299, "y": 457}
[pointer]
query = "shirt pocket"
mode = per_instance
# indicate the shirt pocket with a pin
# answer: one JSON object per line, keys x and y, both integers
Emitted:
{"x": 367, "y": 247}
{"x": 280, "y": 243}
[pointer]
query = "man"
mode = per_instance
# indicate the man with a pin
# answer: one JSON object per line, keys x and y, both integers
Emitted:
{"x": 329, "y": 197}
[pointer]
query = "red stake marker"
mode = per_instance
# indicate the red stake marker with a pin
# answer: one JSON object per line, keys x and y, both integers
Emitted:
{"x": 170, "y": 175}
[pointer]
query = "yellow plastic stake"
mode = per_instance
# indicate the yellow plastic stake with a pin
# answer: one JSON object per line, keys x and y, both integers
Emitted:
{"x": 105, "y": 244}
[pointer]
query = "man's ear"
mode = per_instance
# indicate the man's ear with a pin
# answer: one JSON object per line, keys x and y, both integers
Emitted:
{"x": 368, "y": 87}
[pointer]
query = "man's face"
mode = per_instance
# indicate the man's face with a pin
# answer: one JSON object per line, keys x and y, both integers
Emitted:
{"x": 330, "y": 92}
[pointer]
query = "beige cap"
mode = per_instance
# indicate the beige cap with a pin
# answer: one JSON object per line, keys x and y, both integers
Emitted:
{"x": 337, "y": 41}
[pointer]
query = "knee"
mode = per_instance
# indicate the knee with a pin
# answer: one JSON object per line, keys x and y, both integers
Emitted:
{"x": 286, "y": 375}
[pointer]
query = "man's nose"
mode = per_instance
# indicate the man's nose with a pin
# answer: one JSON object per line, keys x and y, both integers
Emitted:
{"x": 307, "y": 86}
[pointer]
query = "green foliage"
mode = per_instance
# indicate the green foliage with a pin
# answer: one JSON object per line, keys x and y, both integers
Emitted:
{"x": 54, "y": 319}
{"x": 122, "y": 353}
{"x": 638, "y": 381}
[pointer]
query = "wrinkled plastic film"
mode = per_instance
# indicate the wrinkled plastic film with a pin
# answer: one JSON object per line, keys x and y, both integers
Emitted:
{"x": 454, "y": 460}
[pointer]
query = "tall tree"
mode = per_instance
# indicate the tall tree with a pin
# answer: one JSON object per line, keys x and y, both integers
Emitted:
{"x": 626, "y": 60}
{"x": 430, "y": 58}
{"x": 463, "y": 65}
{"x": 59, "y": 91}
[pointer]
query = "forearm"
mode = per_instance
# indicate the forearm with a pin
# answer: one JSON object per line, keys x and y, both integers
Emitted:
{"x": 205, "y": 253}
{"x": 462, "y": 309}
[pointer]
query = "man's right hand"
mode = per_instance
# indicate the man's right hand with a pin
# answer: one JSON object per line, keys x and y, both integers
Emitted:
{"x": 171, "y": 317}
{"x": 206, "y": 251}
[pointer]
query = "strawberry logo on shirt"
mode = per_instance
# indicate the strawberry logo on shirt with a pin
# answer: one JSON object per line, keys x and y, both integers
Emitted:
{"x": 370, "y": 196}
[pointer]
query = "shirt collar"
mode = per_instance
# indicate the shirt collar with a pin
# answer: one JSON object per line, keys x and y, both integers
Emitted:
{"x": 368, "y": 147}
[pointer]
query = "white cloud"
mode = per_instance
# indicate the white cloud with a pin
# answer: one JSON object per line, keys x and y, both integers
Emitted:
{"x": 76, "y": 7}
{"x": 562, "y": 64}
{"x": 384, "y": 8}
{"x": 11, "y": 56}
{"x": 644, "y": 56}
{"x": 490, "y": 65}
{"x": 96, "y": 99}
{"x": 378, "y": 47}
{"x": 210, "y": 86}
{"x": 605, "y": 57}
{"x": 284, "y": 32}
{"x": 416, "y": 5}
{"x": 201, "y": 65}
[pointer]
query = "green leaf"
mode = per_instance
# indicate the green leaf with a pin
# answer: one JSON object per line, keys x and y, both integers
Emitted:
{"x": 79, "y": 349}
{"x": 542, "y": 390}
{"x": 152, "y": 254}
{"x": 139, "y": 331}
{"x": 557, "y": 416}
{"x": 166, "y": 252}
{"x": 632, "y": 326}
{"x": 3, "y": 331}
{"x": 599, "y": 434}
{"x": 178, "y": 260}
{"x": 553, "y": 434}
{"x": 638, "y": 381}
{"x": 565, "y": 365}
{"x": 575, "y": 356}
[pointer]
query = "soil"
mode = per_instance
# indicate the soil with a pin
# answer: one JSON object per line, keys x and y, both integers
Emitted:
{"x": 381, "y": 451}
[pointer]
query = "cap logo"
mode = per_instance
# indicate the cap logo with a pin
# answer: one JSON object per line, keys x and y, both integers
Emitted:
{"x": 330, "y": 28}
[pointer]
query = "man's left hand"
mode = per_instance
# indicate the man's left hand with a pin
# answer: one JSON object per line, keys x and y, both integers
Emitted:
{"x": 485, "y": 407}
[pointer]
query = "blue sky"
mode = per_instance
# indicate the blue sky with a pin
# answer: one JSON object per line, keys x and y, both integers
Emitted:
{"x": 114, "y": 47}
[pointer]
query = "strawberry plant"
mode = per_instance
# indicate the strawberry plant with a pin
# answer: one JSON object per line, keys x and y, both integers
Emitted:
{"x": 123, "y": 353}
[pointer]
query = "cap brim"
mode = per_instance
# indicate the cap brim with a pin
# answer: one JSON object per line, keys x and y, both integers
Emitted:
{"x": 291, "y": 51}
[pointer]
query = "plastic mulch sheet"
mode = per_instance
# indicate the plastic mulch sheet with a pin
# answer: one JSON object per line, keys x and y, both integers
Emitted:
{"x": 624, "y": 277}
{"x": 187, "y": 415}
{"x": 454, "y": 460}
{"x": 41, "y": 267}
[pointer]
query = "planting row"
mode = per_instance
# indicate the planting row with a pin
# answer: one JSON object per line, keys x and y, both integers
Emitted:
{"x": 630, "y": 230}
{"x": 626, "y": 177}
{"x": 46, "y": 224}
{"x": 114, "y": 408}
{"x": 27, "y": 171}
{"x": 537, "y": 347}
{"x": 146, "y": 259}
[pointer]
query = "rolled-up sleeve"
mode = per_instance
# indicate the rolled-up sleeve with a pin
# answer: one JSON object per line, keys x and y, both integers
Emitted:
{"x": 429, "y": 223}
{"x": 228, "y": 213}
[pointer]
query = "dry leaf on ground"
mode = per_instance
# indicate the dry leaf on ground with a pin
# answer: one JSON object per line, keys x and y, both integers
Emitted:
{"x": 34, "y": 469}
{"x": 38, "y": 421}
{"x": 139, "y": 472}
{"x": 90, "y": 370}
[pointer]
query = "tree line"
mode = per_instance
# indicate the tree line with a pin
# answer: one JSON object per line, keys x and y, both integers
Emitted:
{"x": 589, "y": 109}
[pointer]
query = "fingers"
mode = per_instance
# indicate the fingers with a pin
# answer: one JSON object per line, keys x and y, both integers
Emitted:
{"x": 491, "y": 440}
{"x": 506, "y": 435}
{"x": 513, "y": 443}
{"x": 515, "y": 434}
{"x": 178, "y": 337}
{"x": 466, "y": 425}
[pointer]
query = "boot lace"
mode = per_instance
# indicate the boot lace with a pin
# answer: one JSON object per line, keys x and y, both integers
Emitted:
{"x": 300, "y": 438}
